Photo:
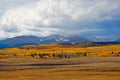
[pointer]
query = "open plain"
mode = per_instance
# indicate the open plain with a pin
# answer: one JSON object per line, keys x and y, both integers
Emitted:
{"x": 81, "y": 68}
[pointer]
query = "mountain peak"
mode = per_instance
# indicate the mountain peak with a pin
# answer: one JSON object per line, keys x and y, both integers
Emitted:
{"x": 34, "y": 40}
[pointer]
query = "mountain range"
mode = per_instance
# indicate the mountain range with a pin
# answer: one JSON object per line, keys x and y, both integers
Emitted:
{"x": 34, "y": 40}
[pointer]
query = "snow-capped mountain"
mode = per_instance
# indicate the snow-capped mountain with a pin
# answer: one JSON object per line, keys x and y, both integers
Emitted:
{"x": 33, "y": 40}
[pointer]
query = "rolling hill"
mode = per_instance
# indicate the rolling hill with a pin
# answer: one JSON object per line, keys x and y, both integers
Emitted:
{"x": 58, "y": 39}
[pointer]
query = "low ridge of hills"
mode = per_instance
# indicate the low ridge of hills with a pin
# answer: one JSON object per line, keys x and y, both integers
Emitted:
{"x": 54, "y": 39}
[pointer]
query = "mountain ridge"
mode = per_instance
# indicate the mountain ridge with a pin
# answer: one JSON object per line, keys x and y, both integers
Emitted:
{"x": 59, "y": 39}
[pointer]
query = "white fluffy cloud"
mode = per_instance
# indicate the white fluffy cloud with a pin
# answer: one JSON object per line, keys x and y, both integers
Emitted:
{"x": 46, "y": 17}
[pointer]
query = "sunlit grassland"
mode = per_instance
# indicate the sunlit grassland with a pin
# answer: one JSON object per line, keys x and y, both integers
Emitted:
{"x": 82, "y": 68}
{"x": 59, "y": 51}
{"x": 66, "y": 75}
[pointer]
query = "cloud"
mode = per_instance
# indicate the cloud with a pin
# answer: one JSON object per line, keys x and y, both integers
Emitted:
{"x": 46, "y": 17}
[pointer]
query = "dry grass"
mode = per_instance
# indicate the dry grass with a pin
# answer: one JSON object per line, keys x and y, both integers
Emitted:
{"x": 83, "y": 68}
{"x": 59, "y": 51}
{"x": 50, "y": 75}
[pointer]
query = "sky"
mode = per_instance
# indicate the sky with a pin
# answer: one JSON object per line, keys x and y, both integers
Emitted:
{"x": 94, "y": 18}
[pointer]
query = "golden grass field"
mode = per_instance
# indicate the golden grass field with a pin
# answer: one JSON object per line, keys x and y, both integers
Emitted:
{"x": 59, "y": 51}
{"x": 80, "y": 68}
{"x": 60, "y": 62}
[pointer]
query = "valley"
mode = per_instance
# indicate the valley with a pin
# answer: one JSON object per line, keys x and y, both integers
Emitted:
{"x": 84, "y": 68}
{"x": 85, "y": 61}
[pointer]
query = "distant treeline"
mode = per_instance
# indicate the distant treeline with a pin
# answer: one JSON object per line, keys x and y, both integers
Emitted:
{"x": 45, "y": 51}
